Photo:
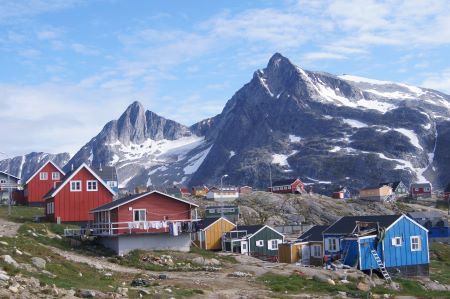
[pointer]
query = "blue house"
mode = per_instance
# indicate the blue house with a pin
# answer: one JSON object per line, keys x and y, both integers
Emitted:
{"x": 395, "y": 245}
{"x": 436, "y": 223}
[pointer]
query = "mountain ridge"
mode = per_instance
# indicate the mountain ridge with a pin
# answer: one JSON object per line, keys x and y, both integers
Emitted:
{"x": 345, "y": 130}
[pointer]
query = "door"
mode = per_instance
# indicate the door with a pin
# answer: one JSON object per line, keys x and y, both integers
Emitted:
{"x": 305, "y": 255}
{"x": 244, "y": 247}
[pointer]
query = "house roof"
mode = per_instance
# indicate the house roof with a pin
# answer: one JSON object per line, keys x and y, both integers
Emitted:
{"x": 70, "y": 175}
{"x": 219, "y": 207}
{"x": 39, "y": 170}
{"x": 251, "y": 229}
{"x": 373, "y": 187}
{"x": 124, "y": 200}
{"x": 313, "y": 234}
{"x": 107, "y": 173}
{"x": 418, "y": 185}
{"x": 340, "y": 189}
{"x": 393, "y": 185}
{"x": 10, "y": 175}
{"x": 205, "y": 223}
{"x": 283, "y": 182}
{"x": 347, "y": 224}
{"x": 429, "y": 219}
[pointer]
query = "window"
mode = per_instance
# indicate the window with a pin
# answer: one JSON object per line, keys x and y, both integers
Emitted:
{"x": 316, "y": 251}
{"x": 416, "y": 189}
{"x": 333, "y": 244}
{"x": 50, "y": 208}
{"x": 273, "y": 244}
{"x": 43, "y": 176}
{"x": 2, "y": 181}
{"x": 427, "y": 189}
{"x": 416, "y": 244}
{"x": 112, "y": 184}
{"x": 56, "y": 176}
{"x": 244, "y": 246}
{"x": 397, "y": 241}
{"x": 260, "y": 243}
{"x": 91, "y": 186}
{"x": 75, "y": 186}
{"x": 139, "y": 215}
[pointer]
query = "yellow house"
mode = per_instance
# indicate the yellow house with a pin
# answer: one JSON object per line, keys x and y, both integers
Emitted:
{"x": 210, "y": 236}
{"x": 376, "y": 193}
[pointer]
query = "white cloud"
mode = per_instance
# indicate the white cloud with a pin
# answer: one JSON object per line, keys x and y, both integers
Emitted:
{"x": 12, "y": 10}
{"x": 323, "y": 55}
{"x": 439, "y": 81}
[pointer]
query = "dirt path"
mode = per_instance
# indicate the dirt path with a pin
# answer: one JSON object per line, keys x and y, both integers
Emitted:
{"x": 7, "y": 228}
{"x": 219, "y": 283}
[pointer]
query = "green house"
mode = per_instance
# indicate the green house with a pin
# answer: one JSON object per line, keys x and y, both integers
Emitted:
{"x": 260, "y": 241}
{"x": 229, "y": 212}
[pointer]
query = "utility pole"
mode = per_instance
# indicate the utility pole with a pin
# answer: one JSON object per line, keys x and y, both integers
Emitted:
{"x": 222, "y": 207}
{"x": 8, "y": 183}
{"x": 270, "y": 178}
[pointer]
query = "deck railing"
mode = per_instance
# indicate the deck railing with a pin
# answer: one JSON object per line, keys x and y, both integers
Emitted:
{"x": 129, "y": 227}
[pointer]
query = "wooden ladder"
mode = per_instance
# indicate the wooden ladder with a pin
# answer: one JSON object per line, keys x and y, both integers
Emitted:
{"x": 381, "y": 266}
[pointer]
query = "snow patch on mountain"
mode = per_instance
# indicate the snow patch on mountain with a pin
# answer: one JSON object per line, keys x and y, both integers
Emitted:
{"x": 354, "y": 123}
{"x": 195, "y": 162}
{"x": 293, "y": 138}
{"x": 232, "y": 154}
{"x": 411, "y": 135}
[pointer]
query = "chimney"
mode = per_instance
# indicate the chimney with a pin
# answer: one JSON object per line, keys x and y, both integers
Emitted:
{"x": 100, "y": 167}
{"x": 72, "y": 167}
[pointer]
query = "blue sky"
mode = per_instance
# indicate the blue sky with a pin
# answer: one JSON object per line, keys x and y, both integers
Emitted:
{"x": 68, "y": 67}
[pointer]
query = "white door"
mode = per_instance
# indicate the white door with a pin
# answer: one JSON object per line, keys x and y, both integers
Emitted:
{"x": 244, "y": 248}
{"x": 305, "y": 255}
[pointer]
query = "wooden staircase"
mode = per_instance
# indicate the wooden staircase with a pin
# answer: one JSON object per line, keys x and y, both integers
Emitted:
{"x": 381, "y": 266}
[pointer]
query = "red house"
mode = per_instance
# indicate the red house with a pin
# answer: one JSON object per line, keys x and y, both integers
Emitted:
{"x": 79, "y": 192}
{"x": 420, "y": 190}
{"x": 288, "y": 186}
{"x": 43, "y": 180}
{"x": 148, "y": 221}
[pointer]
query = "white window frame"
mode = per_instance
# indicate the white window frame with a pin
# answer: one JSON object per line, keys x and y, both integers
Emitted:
{"x": 270, "y": 244}
{"x": 244, "y": 245}
{"x": 419, "y": 243}
{"x": 72, "y": 189}
{"x": 2, "y": 181}
{"x": 56, "y": 176}
{"x": 397, "y": 241}
{"x": 43, "y": 176}
{"x": 333, "y": 244}
{"x": 89, "y": 189}
{"x": 139, "y": 210}
{"x": 427, "y": 189}
{"x": 313, "y": 248}
{"x": 260, "y": 243}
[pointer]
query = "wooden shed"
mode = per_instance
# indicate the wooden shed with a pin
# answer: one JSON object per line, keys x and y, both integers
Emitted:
{"x": 289, "y": 252}
{"x": 209, "y": 236}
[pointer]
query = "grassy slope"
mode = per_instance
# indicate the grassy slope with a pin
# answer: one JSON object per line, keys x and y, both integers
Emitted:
{"x": 30, "y": 240}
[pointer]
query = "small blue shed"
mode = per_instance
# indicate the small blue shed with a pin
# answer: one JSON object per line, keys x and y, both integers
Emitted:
{"x": 395, "y": 243}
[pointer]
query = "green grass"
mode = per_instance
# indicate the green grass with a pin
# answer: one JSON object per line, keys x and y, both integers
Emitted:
{"x": 442, "y": 204}
{"x": 440, "y": 262}
{"x": 295, "y": 284}
{"x": 211, "y": 254}
{"x": 21, "y": 214}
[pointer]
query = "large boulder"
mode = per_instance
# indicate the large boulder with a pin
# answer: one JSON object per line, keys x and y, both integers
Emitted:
{"x": 38, "y": 262}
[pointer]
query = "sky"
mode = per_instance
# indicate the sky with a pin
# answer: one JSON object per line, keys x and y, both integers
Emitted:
{"x": 68, "y": 67}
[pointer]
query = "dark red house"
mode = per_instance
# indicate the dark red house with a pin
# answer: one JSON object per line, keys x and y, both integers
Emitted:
{"x": 43, "y": 180}
{"x": 79, "y": 192}
{"x": 420, "y": 190}
{"x": 150, "y": 221}
{"x": 288, "y": 186}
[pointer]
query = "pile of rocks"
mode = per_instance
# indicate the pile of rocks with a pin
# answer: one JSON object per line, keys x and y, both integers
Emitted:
{"x": 163, "y": 260}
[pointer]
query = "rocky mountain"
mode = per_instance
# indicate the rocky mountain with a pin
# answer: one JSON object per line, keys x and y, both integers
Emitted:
{"x": 146, "y": 149}
{"x": 323, "y": 128}
{"x": 24, "y": 166}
